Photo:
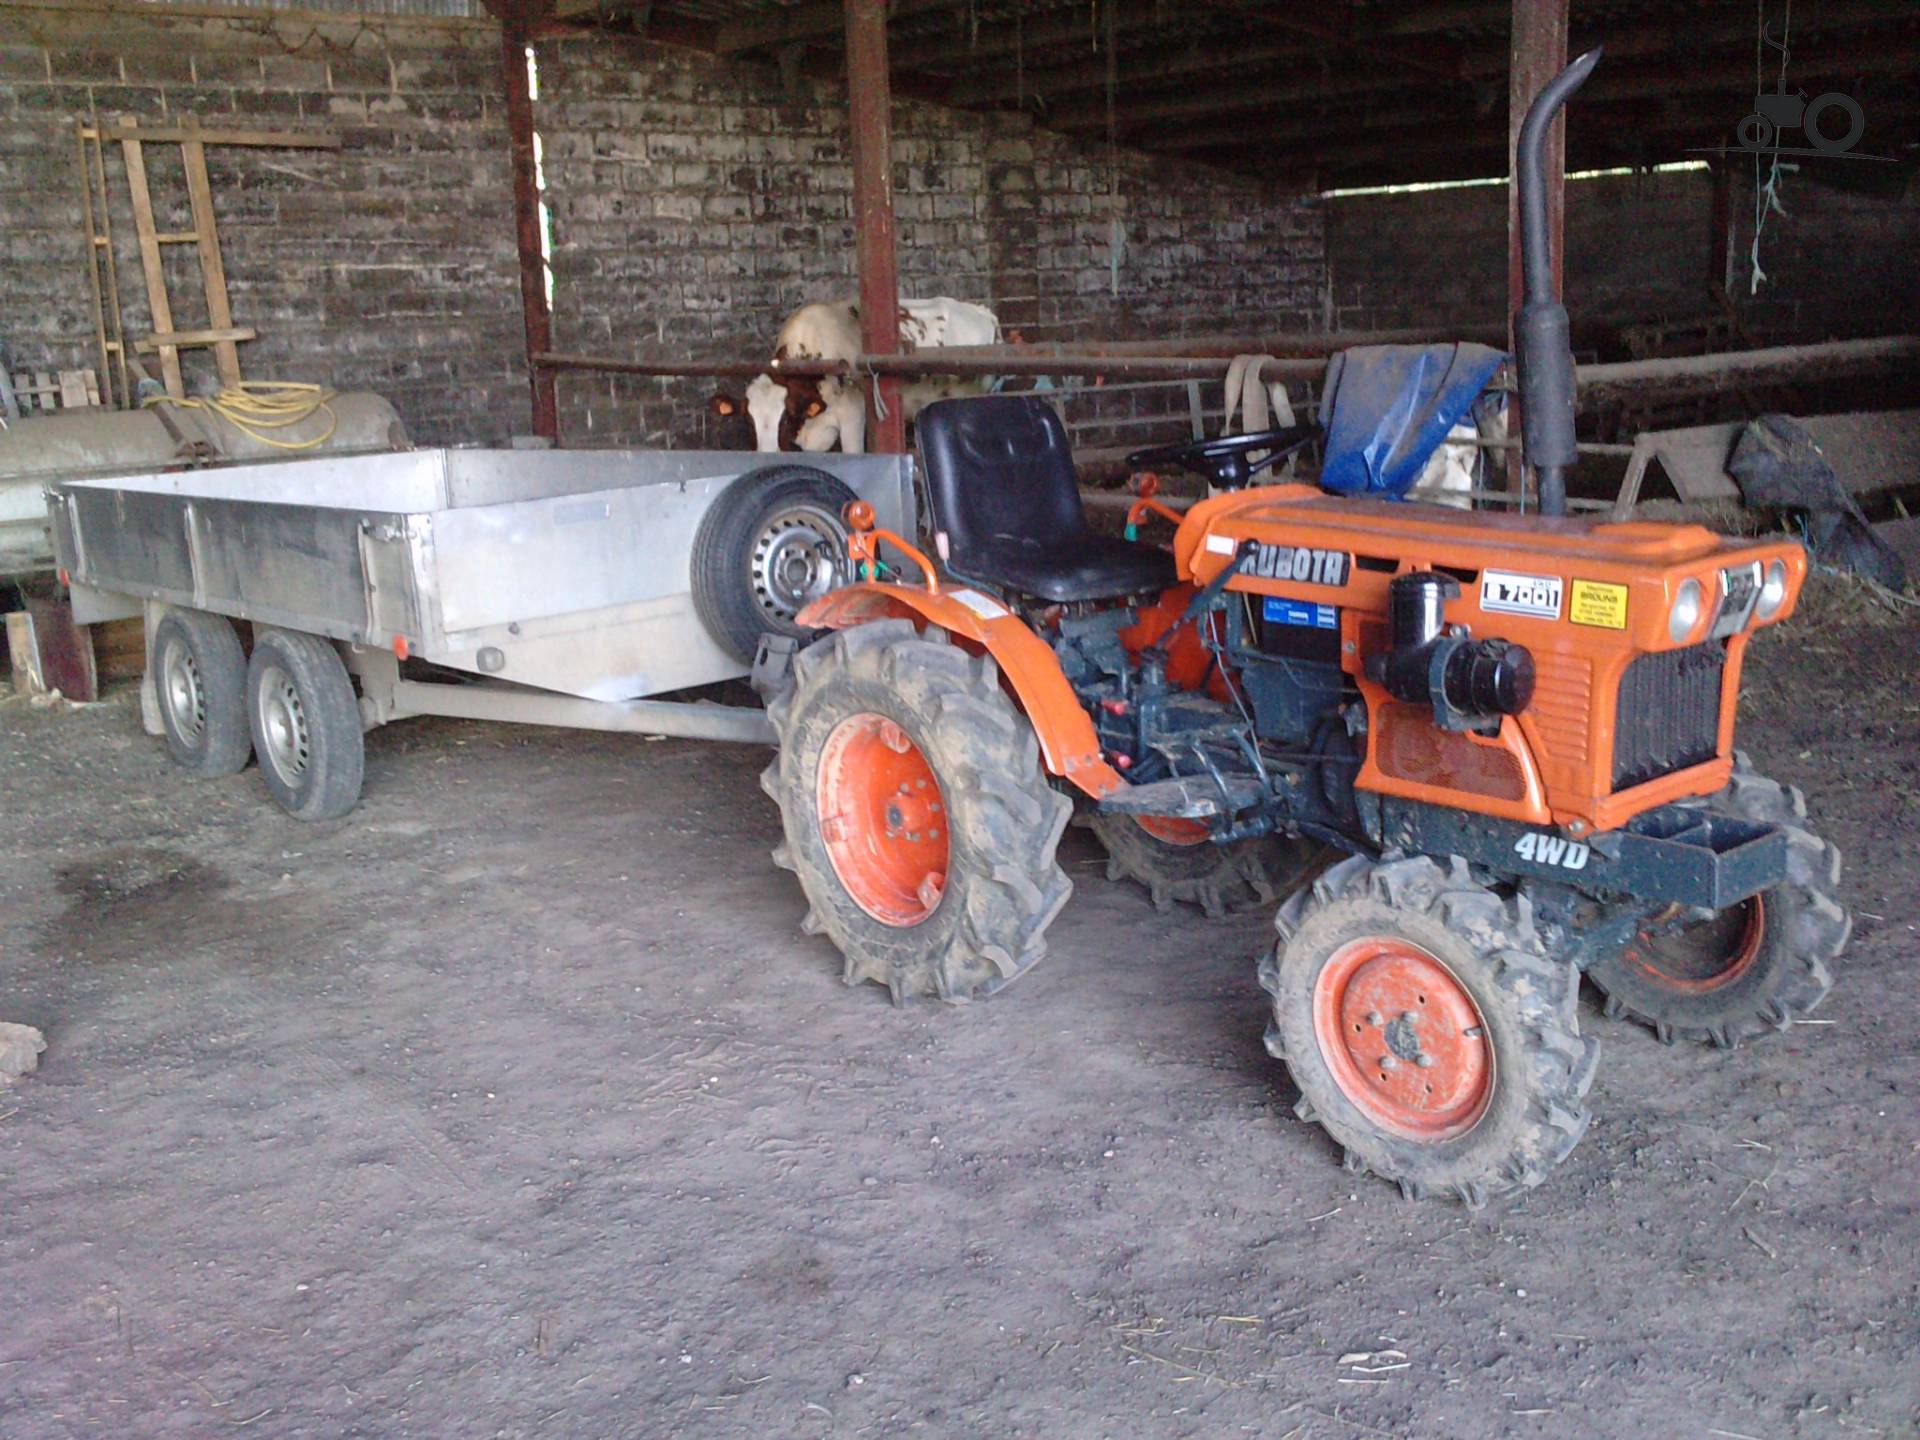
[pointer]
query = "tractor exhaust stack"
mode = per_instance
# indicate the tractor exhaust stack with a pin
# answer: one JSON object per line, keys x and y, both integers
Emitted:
{"x": 1540, "y": 330}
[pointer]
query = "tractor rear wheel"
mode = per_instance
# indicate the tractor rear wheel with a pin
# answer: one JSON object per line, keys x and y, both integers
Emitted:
{"x": 1176, "y": 861}
{"x": 1751, "y": 968}
{"x": 917, "y": 815}
{"x": 1427, "y": 1029}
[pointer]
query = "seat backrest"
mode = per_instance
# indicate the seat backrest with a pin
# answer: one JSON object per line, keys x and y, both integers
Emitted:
{"x": 999, "y": 468}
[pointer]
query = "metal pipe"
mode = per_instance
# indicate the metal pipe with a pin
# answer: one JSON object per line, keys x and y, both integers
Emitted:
{"x": 536, "y": 318}
{"x": 938, "y": 362}
{"x": 870, "y": 133}
{"x": 1541, "y": 330}
{"x": 514, "y": 705}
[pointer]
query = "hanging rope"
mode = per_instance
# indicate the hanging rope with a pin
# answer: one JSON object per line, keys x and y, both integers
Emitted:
{"x": 1766, "y": 196}
{"x": 256, "y": 407}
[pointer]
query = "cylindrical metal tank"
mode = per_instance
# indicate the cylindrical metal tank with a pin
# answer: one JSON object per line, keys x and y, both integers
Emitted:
{"x": 80, "y": 443}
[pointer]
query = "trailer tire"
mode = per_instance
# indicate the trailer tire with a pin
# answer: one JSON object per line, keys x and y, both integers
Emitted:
{"x": 1476, "y": 1084}
{"x": 934, "y": 870}
{"x": 773, "y": 541}
{"x": 306, "y": 724}
{"x": 200, "y": 680}
{"x": 1217, "y": 878}
{"x": 1750, "y": 969}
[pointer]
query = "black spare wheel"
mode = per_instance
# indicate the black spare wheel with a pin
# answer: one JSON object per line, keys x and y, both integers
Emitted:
{"x": 771, "y": 543}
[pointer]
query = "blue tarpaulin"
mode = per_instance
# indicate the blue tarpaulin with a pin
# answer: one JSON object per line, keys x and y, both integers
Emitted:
{"x": 1386, "y": 409}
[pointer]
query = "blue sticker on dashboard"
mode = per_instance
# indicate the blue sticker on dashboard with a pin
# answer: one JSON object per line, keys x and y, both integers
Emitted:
{"x": 1279, "y": 611}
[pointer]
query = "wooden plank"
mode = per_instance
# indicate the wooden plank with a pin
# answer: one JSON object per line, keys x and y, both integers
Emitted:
{"x": 66, "y": 649}
{"x": 143, "y": 225}
{"x": 73, "y": 390}
{"x": 23, "y": 655}
{"x": 116, "y": 323}
{"x": 267, "y": 139}
{"x": 193, "y": 339}
{"x": 226, "y": 355}
{"x": 93, "y": 243}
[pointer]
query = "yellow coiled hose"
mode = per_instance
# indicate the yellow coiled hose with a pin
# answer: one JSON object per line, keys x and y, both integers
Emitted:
{"x": 256, "y": 407}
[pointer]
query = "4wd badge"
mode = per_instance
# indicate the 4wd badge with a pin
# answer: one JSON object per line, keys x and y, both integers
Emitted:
{"x": 1515, "y": 594}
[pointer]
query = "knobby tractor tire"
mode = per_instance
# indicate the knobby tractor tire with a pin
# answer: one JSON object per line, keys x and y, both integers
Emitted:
{"x": 931, "y": 704}
{"x": 1217, "y": 878}
{"x": 1474, "y": 1010}
{"x": 1750, "y": 970}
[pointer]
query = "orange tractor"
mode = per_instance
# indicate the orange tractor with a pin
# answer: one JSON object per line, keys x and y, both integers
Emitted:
{"x": 1514, "y": 732}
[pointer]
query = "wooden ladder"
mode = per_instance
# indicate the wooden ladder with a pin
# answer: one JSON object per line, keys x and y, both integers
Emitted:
{"x": 221, "y": 334}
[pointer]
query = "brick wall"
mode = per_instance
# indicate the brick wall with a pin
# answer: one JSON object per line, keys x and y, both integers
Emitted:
{"x": 388, "y": 265}
{"x": 696, "y": 203}
{"x": 1839, "y": 264}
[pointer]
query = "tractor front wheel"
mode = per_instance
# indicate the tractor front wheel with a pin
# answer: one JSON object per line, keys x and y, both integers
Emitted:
{"x": 1176, "y": 861}
{"x": 1427, "y": 1029}
{"x": 1753, "y": 967}
{"x": 917, "y": 815}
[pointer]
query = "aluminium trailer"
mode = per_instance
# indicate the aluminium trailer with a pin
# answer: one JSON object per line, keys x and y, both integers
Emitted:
{"x": 547, "y": 587}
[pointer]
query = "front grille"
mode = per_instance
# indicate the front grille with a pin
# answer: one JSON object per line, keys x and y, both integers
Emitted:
{"x": 1669, "y": 713}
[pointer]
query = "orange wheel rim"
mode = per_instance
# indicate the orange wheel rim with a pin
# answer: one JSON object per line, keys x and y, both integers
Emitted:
{"x": 1174, "y": 830}
{"x": 1704, "y": 956}
{"x": 1403, "y": 1039}
{"x": 883, "y": 819}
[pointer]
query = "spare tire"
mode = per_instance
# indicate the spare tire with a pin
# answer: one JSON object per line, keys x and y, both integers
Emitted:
{"x": 771, "y": 543}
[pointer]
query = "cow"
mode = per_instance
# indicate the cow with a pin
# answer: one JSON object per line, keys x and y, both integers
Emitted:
{"x": 804, "y": 413}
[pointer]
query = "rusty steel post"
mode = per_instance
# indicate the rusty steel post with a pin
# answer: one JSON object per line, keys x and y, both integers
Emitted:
{"x": 1539, "y": 52}
{"x": 526, "y": 217}
{"x": 870, "y": 121}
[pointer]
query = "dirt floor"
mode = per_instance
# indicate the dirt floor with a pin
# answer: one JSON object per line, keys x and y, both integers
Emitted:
{"x": 516, "y": 1104}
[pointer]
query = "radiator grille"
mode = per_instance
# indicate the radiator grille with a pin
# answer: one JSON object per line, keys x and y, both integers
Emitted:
{"x": 1669, "y": 713}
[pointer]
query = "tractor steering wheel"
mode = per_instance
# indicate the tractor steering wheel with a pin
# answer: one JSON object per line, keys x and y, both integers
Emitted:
{"x": 1223, "y": 460}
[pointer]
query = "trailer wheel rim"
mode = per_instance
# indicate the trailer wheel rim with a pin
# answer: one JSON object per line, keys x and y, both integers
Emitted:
{"x": 1703, "y": 956}
{"x": 883, "y": 820}
{"x": 283, "y": 725}
{"x": 184, "y": 691}
{"x": 1175, "y": 830}
{"x": 799, "y": 555}
{"x": 1403, "y": 1039}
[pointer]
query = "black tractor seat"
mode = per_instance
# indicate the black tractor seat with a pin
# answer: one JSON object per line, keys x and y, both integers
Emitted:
{"x": 1004, "y": 492}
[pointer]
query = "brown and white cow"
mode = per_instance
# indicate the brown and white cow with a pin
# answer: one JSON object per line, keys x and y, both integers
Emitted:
{"x": 802, "y": 413}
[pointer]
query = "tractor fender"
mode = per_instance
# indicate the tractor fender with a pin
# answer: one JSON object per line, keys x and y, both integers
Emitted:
{"x": 1028, "y": 667}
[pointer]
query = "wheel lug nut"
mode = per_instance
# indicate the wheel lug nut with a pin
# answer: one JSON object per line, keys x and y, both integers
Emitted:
{"x": 1425, "y": 1062}
{"x": 1389, "y": 1062}
{"x": 1409, "y": 1017}
{"x": 1375, "y": 1019}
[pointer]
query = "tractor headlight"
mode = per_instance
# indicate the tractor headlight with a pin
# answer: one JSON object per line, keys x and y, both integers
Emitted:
{"x": 1773, "y": 590}
{"x": 1684, "y": 618}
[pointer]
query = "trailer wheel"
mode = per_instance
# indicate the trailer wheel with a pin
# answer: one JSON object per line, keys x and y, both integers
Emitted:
{"x": 200, "y": 679}
{"x": 773, "y": 541}
{"x": 917, "y": 815}
{"x": 1427, "y": 1029}
{"x": 306, "y": 724}
{"x": 1175, "y": 861}
{"x": 1751, "y": 968}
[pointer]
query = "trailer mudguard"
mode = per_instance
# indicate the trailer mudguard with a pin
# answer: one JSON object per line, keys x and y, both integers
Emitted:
{"x": 1028, "y": 666}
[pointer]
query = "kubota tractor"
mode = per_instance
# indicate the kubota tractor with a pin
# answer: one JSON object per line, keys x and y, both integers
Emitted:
{"x": 1516, "y": 732}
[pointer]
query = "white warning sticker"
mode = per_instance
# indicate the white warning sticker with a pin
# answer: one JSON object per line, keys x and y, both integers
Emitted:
{"x": 980, "y": 605}
{"x": 1516, "y": 594}
{"x": 1220, "y": 545}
